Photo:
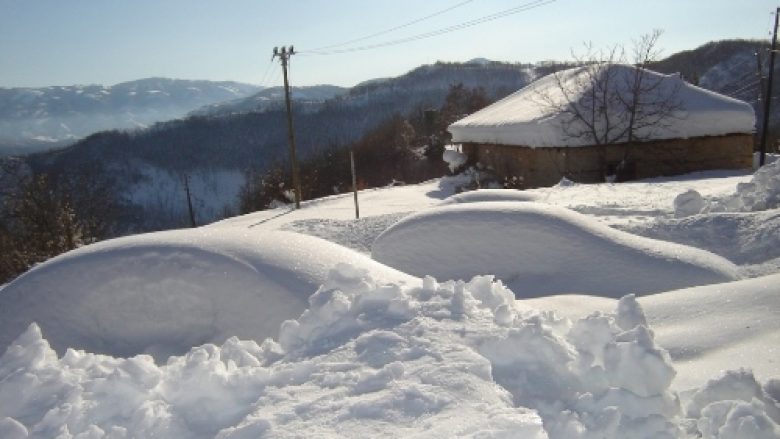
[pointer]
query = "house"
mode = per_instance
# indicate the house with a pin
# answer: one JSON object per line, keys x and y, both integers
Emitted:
{"x": 594, "y": 122}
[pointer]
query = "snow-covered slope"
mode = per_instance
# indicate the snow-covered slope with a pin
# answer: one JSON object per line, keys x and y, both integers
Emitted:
{"x": 367, "y": 351}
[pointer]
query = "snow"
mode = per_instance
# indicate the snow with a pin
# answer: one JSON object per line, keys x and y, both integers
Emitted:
{"x": 162, "y": 193}
{"x": 366, "y": 360}
{"x": 481, "y": 195}
{"x": 537, "y": 249}
{"x": 688, "y": 203}
{"x": 761, "y": 193}
{"x": 531, "y": 116}
{"x": 251, "y": 327}
{"x": 165, "y": 292}
{"x": 735, "y": 405}
{"x": 453, "y": 157}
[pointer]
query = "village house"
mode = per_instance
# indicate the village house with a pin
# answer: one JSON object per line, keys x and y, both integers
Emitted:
{"x": 594, "y": 123}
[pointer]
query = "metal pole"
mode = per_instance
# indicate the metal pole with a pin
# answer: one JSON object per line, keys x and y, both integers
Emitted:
{"x": 768, "y": 98}
{"x": 354, "y": 182}
{"x": 284, "y": 56}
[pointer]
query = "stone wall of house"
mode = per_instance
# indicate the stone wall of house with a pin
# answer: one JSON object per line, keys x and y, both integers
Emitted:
{"x": 590, "y": 164}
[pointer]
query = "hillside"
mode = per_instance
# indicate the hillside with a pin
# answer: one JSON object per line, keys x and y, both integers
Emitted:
{"x": 307, "y": 97}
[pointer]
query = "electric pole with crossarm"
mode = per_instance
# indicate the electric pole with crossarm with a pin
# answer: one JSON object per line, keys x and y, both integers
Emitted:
{"x": 284, "y": 56}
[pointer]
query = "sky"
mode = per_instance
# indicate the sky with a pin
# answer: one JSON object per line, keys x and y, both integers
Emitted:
{"x": 57, "y": 42}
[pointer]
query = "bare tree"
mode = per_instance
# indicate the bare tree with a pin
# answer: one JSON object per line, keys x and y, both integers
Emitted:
{"x": 605, "y": 101}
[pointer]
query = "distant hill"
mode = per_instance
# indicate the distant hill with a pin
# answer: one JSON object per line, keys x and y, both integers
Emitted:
{"x": 309, "y": 97}
{"x": 40, "y": 118}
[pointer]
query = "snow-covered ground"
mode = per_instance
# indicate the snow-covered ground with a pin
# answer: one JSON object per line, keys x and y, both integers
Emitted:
{"x": 134, "y": 337}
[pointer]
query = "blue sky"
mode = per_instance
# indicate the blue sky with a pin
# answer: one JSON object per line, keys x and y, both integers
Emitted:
{"x": 63, "y": 42}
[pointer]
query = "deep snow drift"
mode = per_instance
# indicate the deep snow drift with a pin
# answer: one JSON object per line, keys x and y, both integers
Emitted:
{"x": 537, "y": 249}
{"x": 163, "y": 293}
{"x": 743, "y": 226}
{"x": 440, "y": 360}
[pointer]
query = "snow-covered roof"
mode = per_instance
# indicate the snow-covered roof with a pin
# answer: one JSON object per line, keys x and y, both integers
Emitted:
{"x": 534, "y": 116}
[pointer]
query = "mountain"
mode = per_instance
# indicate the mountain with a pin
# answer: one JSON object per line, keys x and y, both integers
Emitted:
{"x": 40, "y": 118}
{"x": 309, "y": 97}
{"x": 213, "y": 149}
{"x": 728, "y": 67}
{"x": 429, "y": 84}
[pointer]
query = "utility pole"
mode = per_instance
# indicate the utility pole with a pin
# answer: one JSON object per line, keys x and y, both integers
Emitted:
{"x": 768, "y": 98}
{"x": 284, "y": 56}
{"x": 354, "y": 182}
{"x": 186, "y": 179}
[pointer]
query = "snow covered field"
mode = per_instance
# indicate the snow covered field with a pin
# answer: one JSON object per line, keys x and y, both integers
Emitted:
{"x": 280, "y": 323}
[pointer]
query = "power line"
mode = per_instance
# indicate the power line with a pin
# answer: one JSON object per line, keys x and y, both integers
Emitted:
{"x": 435, "y": 14}
{"x": 515, "y": 10}
{"x": 267, "y": 71}
{"x": 744, "y": 88}
{"x": 275, "y": 78}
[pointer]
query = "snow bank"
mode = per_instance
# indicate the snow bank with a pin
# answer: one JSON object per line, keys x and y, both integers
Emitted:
{"x": 741, "y": 237}
{"x": 761, "y": 193}
{"x": 539, "y": 249}
{"x": 706, "y": 329}
{"x": 735, "y": 406}
{"x": 441, "y": 360}
{"x": 164, "y": 293}
{"x": 448, "y": 359}
{"x": 481, "y": 195}
{"x": 743, "y": 226}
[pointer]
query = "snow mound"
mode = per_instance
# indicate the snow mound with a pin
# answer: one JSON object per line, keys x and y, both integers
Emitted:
{"x": 164, "y": 293}
{"x": 446, "y": 359}
{"x": 688, "y": 203}
{"x": 735, "y": 406}
{"x": 761, "y": 193}
{"x": 706, "y": 329}
{"x": 741, "y": 237}
{"x": 481, "y": 195}
{"x": 538, "y": 249}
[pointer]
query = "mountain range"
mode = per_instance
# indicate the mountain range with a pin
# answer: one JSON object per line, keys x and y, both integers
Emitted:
{"x": 32, "y": 119}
